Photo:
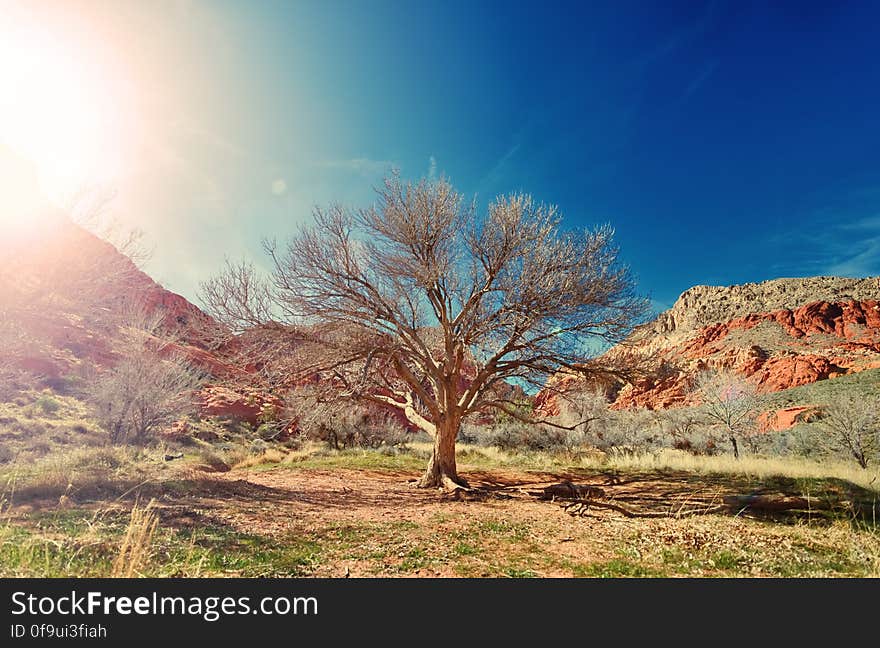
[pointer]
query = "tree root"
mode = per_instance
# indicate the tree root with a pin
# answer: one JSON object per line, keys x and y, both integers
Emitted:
{"x": 446, "y": 484}
{"x": 579, "y": 498}
{"x": 570, "y": 491}
{"x": 450, "y": 485}
{"x": 580, "y": 508}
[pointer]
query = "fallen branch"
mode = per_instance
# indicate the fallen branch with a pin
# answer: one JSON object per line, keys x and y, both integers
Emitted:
{"x": 568, "y": 491}
{"x": 775, "y": 502}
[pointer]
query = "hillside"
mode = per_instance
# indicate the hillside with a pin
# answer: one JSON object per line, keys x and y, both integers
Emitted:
{"x": 65, "y": 297}
{"x": 64, "y": 291}
{"x": 221, "y": 499}
{"x": 780, "y": 334}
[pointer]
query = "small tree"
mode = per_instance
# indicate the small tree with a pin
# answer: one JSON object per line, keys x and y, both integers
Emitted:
{"x": 730, "y": 402}
{"x": 686, "y": 429}
{"x": 141, "y": 394}
{"x": 587, "y": 407}
{"x": 143, "y": 391}
{"x": 422, "y": 305}
{"x": 852, "y": 427}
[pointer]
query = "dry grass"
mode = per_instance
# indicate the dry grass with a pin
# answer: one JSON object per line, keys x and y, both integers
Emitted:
{"x": 135, "y": 549}
{"x": 755, "y": 466}
{"x": 489, "y": 457}
{"x": 81, "y": 473}
{"x": 323, "y": 510}
{"x": 268, "y": 456}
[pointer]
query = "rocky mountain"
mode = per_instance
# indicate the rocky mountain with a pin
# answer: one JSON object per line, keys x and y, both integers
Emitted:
{"x": 780, "y": 334}
{"x": 64, "y": 293}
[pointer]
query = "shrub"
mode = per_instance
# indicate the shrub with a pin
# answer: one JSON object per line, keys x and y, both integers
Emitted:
{"x": 514, "y": 435}
{"x": 142, "y": 394}
{"x": 850, "y": 427}
{"x": 342, "y": 427}
{"x": 626, "y": 432}
{"x": 47, "y": 404}
{"x": 213, "y": 460}
{"x": 67, "y": 385}
{"x": 685, "y": 428}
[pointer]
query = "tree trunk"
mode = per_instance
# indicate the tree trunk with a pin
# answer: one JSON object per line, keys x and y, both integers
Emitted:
{"x": 861, "y": 458}
{"x": 441, "y": 472}
{"x": 735, "y": 447}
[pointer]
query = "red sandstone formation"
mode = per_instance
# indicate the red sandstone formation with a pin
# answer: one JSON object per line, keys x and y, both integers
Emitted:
{"x": 806, "y": 341}
{"x": 787, "y": 418}
{"x": 249, "y": 405}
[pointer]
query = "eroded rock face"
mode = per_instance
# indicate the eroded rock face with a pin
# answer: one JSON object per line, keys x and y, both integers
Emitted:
{"x": 779, "y": 334}
{"x": 241, "y": 404}
{"x": 702, "y": 306}
{"x": 786, "y": 418}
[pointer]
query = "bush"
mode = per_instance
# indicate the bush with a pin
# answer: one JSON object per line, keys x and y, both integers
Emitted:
{"x": 79, "y": 472}
{"x": 269, "y": 431}
{"x": 67, "y": 385}
{"x": 850, "y": 428}
{"x": 513, "y": 435}
{"x": 213, "y": 461}
{"x": 340, "y": 426}
{"x": 684, "y": 428}
{"x": 47, "y": 404}
{"x": 142, "y": 394}
{"x": 626, "y": 432}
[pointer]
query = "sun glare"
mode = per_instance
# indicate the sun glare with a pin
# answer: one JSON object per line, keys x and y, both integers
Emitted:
{"x": 62, "y": 109}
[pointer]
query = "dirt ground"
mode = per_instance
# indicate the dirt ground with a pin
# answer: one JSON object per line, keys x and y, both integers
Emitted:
{"x": 375, "y": 523}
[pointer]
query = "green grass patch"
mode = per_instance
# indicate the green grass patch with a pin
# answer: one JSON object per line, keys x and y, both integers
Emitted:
{"x": 82, "y": 544}
{"x": 620, "y": 568}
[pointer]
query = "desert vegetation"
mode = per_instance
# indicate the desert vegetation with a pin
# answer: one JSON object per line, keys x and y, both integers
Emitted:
{"x": 140, "y": 436}
{"x": 333, "y": 499}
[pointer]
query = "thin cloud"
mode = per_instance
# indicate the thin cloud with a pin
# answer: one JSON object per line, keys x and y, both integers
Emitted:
{"x": 854, "y": 246}
{"x": 494, "y": 174}
{"x": 863, "y": 263}
{"x": 850, "y": 248}
{"x": 676, "y": 40}
{"x": 703, "y": 75}
{"x": 866, "y": 223}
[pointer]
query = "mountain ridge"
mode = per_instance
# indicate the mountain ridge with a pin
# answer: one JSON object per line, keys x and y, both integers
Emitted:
{"x": 779, "y": 334}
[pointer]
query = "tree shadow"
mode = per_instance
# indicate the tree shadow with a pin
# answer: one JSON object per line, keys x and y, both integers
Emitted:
{"x": 675, "y": 493}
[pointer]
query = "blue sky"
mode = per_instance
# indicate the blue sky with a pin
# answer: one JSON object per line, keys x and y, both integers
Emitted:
{"x": 725, "y": 141}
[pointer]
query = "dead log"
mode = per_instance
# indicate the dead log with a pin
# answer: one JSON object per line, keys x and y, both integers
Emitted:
{"x": 774, "y": 502}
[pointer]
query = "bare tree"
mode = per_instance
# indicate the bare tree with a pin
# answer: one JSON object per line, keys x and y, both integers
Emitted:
{"x": 729, "y": 401}
{"x": 143, "y": 391}
{"x": 319, "y": 420}
{"x": 422, "y": 305}
{"x": 852, "y": 426}
{"x": 585, "y": 408}
{"x": 686, "y": 429}
{"x": 141, "y": 394}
